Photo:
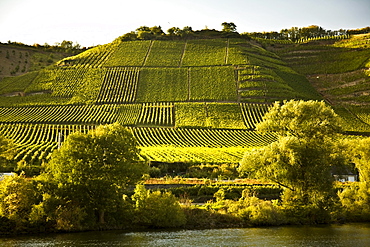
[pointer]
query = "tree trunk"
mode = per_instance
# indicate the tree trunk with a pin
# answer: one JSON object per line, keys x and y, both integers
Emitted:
{"x": 101, "y": 217}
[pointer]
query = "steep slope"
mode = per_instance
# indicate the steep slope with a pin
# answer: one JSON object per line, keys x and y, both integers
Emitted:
{"x": 18, "y": 59}
{"x": 340, "y": 72}
{"x": 185, "y": 101}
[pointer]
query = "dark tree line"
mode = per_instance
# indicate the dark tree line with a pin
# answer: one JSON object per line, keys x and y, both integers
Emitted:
{"x": 64, "y": 46}
{"x": 156, "y": 33}
{"x": 229, "y": 31}
{"x": 312, "y": 31}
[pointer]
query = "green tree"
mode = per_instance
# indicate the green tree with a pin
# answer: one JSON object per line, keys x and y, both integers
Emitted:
{"x": 174, "y": 31}
{"x": 145, "y": 35}
{"x": 93, "y": 170}
{"x": 312, "y": 31}
{"x": 157, "y": 30}
{"x": 17, "y": 196}
{"x": 7, "y": 152}
{"x": 129, "y": 36}
{"x": 302, "y": 119}
{"x": 143, "y": 29}
{"x": 361, "y": 158}
{"x": 298, "y": 165}
{"x": 66, "y": 44}
{"x": 228, "y": 27}
{"x": 187, "y": 30}
{"x": 302, "y": 158}
{"x": 355, "y": 199}
{"x": 157, "y": 209}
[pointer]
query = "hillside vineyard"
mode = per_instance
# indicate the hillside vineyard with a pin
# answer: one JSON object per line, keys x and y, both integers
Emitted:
{"x": 195, "y": 100}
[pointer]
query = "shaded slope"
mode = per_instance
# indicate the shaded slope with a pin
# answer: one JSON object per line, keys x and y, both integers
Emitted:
{"x": 340, "y": 71}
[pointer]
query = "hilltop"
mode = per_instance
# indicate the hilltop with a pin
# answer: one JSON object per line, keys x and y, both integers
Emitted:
{"x": 17, "y": 58}
{"x": 185, "y": 100}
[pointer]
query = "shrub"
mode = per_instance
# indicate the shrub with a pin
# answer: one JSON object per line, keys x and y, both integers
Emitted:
{"x": 17, "y": 195}
{"x": 257, "y": 212}
{"x": 355, "y": 202}
{"x": 157, "y": 209}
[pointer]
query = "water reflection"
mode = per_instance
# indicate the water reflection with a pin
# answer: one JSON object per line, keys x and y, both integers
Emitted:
{"x": 337, "y": 235}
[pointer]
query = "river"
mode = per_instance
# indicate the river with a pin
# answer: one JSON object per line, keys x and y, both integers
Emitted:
{"x": 353, "y": 235}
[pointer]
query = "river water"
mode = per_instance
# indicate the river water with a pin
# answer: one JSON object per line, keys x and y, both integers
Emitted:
{"x": 353, "y": 235}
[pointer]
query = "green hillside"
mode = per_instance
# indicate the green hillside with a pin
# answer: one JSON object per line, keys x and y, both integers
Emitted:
{"x": 194, "y": 100}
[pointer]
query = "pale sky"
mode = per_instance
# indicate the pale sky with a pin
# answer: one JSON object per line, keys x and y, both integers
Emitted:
{"x": 91, "y": 22}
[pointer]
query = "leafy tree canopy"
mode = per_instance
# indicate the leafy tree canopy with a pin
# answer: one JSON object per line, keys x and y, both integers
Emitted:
{"x": 302, "y": 119}
{"x": 228, "y": 27}
{"x": 7, "y": 152}
{"x": 360, "y": 154}
{"x": 157, "y": 209}
{"x": 302, "y": 158}
{"x": 296, "y": 164}
{"x": 93, "y": 169}
{"x": 17, "y": 196}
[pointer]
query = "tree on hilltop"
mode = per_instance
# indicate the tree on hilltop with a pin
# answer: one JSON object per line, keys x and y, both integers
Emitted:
{"x": 157, "y": 30}
{"x": 174, "y": 31}
{"x": 143, "y": 29}
{"x": 129, "y": 36}
{"x": 228, "y": 27}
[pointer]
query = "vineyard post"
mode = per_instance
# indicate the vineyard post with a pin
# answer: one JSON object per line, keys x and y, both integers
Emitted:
{"x": 59, "y": 139}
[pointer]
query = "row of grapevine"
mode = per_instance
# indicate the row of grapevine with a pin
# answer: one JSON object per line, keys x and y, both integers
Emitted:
{"x": 181, "y": 137}
{"x": 253, "y": 113}
{"x": 59, "y": 86}
{"x": 157, "y": 53}
{"x": 129, "y": 53}
{"x": 356, "y": 89}
{"x": 212, "y": 83}
{"x": 35, "y": 142}
{"x": 129, "y": 114}
{"x": 158, "y": 114}
{"x": 92, "y": 58}
{"x": 351, "y": 86}
{"x": 273, "y": 41}
{"x": 181, "y": 84}
{"x": 127, "y": 85}
{"x": 205, "y": 52}
{"x": 355, "y": 119}
{"x": 94, "y": 114}
{"x": 361, "y": 112}
{"x": 235, "y": 54}
{"x": 260, "y": 83}
{"x": 43, "y": 81}
{"x": 62, "y": 82}
{"x": 173, "y": 154}
{"x": 226, "y": 115}
{"x": 17, "y": 84}
{"x": 68, "y": 81}
{"x": 165, "y": 54}
{"x": 190, "y": 114}
{"x": 355, "y": 41}
{"x": 214, "y": 115}
{"x": 331, "y": 37}
{"x": 119, "y": 86}
{"x": 32, "y": 100}
{"x": 324, "y": 59}
{"x": 162, "y": 84}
